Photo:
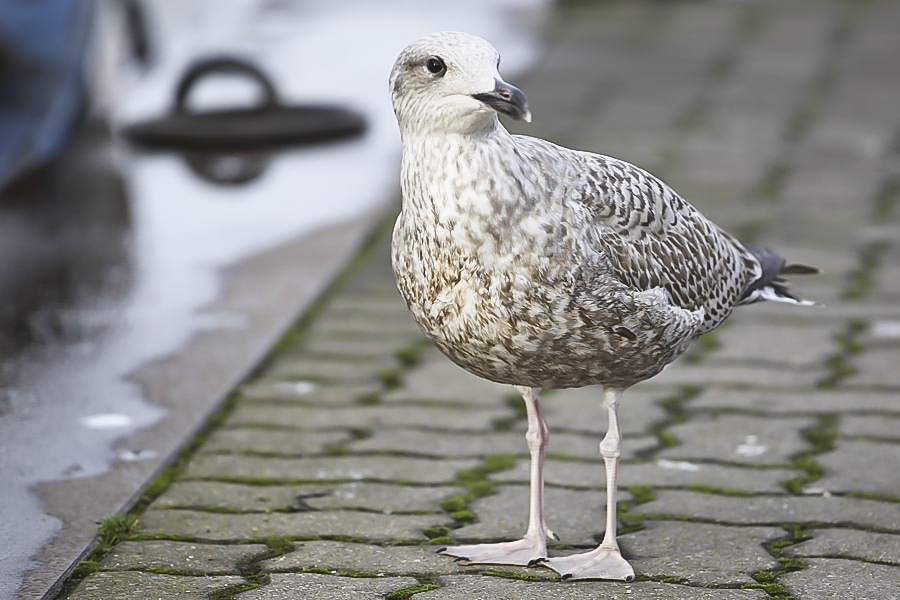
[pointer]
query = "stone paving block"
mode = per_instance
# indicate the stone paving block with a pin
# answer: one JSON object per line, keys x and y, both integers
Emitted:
{"x": 234, "y": 527}
{"x": 337, "y": 369}
{"x": 274, "y": 441}
{"x": 369, "y": 417}
{"x": 576, "y": 516}
{"x": 700, "y": 553}
{"x": 134, "y": 585}
{"x": 363, "y": 326}
{"x": 662, "y": 472}
{"x": 437, "y": 379}
{"x": 739, "y": 439}
{"x": 474, "y": 587}
{"x": 763, "y": 510}
{"x": 862, "y": 466}
{"x": 582, "y": 409}
{"x": 880, "y": 426}
{"x": 386, "y": 498}
{"x": 836, "y": 308}
{"x": 475, "y": 444}
{"x": 840, "y": 579}
{"x": 738, "y": 375}
{"x": 806, "y": 401}
{"x": 303, "y": 391}
{"x": 198, "y": 559}
{"x": 354, "y": 347}
{"x": 345, "y": 556}
{"x": 383, "y": 497}
{"x": 292, "y": 586}
{"x": 774, "y": 345}
{"x": 882, "y": 332}
{"x": 389, "y": 468}
{"x": 346, "y": 305}
{"x": 877, "y": 367}
{"x": 849, "y": 543}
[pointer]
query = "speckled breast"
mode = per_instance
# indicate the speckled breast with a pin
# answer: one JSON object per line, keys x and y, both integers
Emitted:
{"x": 515, "y": 334}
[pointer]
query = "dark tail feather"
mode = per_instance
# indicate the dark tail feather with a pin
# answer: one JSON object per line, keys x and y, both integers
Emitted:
{"x": 797, "y": 269}
{"x": 770, "y": 285}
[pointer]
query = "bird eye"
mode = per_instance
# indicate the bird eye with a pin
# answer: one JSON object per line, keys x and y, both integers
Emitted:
{"x": 436, "y": 66}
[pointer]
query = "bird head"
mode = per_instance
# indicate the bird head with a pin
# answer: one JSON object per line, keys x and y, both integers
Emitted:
{"x": 450, "y": 82}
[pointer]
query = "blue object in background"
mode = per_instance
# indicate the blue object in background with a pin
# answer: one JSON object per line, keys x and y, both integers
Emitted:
{"x": 43, "y": 44}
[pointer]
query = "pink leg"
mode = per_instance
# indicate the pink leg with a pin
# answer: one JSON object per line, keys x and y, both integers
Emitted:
{"x": 533, "y": 546}
{"x": 604, "y": 562}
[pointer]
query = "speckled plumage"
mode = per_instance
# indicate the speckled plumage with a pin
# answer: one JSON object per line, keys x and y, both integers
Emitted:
{"x": 535, "y": 265}
{"x": 538, "y": 266}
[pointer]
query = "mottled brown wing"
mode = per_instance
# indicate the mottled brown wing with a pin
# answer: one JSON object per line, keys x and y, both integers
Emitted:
{"x": 654, "y": 238}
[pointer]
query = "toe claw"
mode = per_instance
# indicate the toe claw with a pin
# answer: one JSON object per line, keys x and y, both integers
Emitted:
{"x": 554, "y": 536}
{"x": 439, "y": 550}
{"x": 566, "y": 576}
{"x": 461, "y": 559}
{"x": 629, "y": 578}
{"x": 536, "y": 561}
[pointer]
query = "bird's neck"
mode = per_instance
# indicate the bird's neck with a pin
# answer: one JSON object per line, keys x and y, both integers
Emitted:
{"x": 444, "y": 173}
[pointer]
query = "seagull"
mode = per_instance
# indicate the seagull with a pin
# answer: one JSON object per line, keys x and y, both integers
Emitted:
{"x": 538, "y": 266}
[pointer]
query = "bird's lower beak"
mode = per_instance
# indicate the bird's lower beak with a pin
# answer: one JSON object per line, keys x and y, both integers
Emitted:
{"x": 508, "y": 100}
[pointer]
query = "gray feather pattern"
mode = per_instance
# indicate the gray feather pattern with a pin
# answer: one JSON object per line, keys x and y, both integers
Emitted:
{"x": 535, "y": 265}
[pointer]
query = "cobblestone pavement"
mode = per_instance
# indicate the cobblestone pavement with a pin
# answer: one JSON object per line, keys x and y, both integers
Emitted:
{"x": 766, "y": 463}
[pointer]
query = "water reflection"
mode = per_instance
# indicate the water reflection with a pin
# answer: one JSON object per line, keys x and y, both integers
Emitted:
{"x": 64, "y": 242}
{"x": 227, "y": 168}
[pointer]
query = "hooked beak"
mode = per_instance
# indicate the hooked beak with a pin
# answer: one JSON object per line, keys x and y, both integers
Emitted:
{"x": 506, "y": 99}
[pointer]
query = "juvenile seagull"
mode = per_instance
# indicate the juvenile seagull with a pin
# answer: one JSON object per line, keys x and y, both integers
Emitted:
{"x": 543, "y": 267}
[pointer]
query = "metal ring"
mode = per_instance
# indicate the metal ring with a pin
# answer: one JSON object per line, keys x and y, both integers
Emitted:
{"x": 223, "y": 64}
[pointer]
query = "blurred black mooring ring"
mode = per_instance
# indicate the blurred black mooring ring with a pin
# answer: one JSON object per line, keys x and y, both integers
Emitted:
{"x": 266, "y": 125}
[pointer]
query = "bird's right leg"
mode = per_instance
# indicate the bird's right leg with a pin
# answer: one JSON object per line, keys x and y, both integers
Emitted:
{"x": 532, "y": 548}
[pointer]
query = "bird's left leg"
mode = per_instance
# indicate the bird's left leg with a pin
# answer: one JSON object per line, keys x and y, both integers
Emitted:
{"x": 533, "y": 547}
{"x": 604, "y": 562}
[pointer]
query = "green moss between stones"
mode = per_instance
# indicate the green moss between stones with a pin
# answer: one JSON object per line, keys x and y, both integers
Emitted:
{"x": 774, "y": 590}
{"x": 408, "y": 357}
{"x": 369, "y": 399}
{"x": 278, "y": 545}
{"x": 453, "y": 504}
{"x": 358, "y": 574}
{"x": 641, "y": 494}
{"x": 662, "y": 579}
{"x": 409, "y": 592}
{"x": 821, "y": 437}
{"x": 170, "y": 571}
{"x": 463, "y": 517}
{"x": 666, "y": 439}
{"x": 511, "y": 575}
{"x": 720, "y": 491}
{"x": 113, "y": 529}
{"x": 443, "y": 540}
{"x": 703, "y": 346}
{"x": 390, "y": 378}
{"x": 110, "y": 532}
{"x": 792, "y": 563}
{"x": 437, "y": 531}
{"x": 860, "y": 281}
{"x": 873, "y": 496}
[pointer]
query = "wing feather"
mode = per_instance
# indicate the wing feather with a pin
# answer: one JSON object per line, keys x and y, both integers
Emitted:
{"x": 654, "y": 238}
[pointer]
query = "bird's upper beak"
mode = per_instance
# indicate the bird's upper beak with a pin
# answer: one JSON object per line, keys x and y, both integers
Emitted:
{"x": 506, "y": 99}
